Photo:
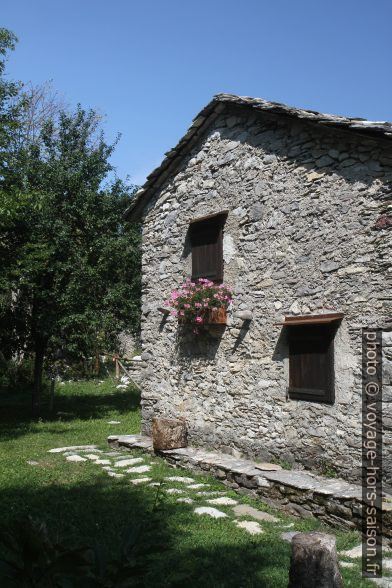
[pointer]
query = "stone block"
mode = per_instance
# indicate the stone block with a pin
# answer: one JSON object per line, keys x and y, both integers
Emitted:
{"x": 168, "y": 433}
{"x": 314, "y": 561}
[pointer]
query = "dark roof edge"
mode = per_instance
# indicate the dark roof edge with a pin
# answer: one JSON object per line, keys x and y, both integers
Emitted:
{"x": 376, "y": 129}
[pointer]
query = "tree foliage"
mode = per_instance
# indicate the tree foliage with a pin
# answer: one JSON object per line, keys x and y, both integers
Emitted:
{"x": 69, "y": 268}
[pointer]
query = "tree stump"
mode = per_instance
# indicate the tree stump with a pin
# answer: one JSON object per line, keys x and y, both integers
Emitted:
{"x": 168, "y": 433}
{"x": 314, "y": 562}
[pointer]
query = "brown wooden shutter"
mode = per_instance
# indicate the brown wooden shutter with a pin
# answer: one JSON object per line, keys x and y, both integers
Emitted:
{"x": 207, "y": 248}
{"x": 311, "y": 363}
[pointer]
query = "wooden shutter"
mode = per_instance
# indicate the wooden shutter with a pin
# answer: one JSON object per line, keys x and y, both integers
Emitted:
{"x": 207, "y": 248}
{"x": 311, "y": 363}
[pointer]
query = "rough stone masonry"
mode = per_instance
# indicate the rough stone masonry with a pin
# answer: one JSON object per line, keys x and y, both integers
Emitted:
{"x": 309, "y": 199}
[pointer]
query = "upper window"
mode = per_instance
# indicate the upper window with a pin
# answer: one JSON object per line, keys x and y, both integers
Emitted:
{"x": 206, "y": 236}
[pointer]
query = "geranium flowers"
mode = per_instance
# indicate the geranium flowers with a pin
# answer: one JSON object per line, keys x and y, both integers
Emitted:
{"x": 197, "y": 302}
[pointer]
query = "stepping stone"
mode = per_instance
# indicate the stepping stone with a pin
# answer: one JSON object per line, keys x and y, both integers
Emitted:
{"x": 223, "y": 500}
{"x": 103, "y": 461}
{"x": 288, "y": 536}
{"x": 155, "y": 484}
{"x": 107, "y": 468}
{"x": 197, "y": 486}
{"x": 212, "y": 512}
{"x": 127, "y": 462}
{"x": 387, "y": 564}
{"x": 246, "y": 510}
{"x": 32, "y": 462}
{"x": 288, "y": 526}
{"x": 114, "y": 474}
{"x": 174, "y": 491}
{"x": 92, "y": 456}
{"x": 137, "y": 481}
{"x": 72, "y": 448}
{"x": 75, "y": 458}
{"x": 114, "y": 422}
{"x": 180, "y": 479}
{"x": 251, "y": 526}
{"x": 212, "y": 493}
{"x": 185, "y": 500}
{"x": 139, "y": 469}
{"x": 354, "y": 552}
{"x": 346, "y": 564}
{"x": 383, "y": 582}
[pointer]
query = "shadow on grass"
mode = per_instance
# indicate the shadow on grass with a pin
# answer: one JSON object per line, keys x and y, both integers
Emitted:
{"x": 16, "y": 417}
{"x": 103, "y": 513}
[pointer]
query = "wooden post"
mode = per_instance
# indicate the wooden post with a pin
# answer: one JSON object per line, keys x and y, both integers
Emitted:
{"x": 314, "y": 562}
{"x": 51, "y": 398}
{"x": 117, "y": 368}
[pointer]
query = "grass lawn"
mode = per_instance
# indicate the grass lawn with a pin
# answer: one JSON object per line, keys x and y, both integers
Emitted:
{"x": 83, "y": 506}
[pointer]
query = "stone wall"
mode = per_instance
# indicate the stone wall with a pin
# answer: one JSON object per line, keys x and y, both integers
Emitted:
{"x": 299, "y": 238}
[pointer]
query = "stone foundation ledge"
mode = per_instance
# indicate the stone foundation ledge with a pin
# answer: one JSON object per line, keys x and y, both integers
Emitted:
{"x": 301, "y": 493}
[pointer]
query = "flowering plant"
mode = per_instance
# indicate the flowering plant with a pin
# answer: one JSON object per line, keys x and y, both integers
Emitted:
{"x": 193, "y": 302}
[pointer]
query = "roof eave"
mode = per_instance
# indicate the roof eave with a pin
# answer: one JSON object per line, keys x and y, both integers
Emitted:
{"x": 173, "y": 158}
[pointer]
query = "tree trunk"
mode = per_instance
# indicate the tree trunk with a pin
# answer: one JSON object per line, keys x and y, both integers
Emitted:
{"x": 38, "y": 366}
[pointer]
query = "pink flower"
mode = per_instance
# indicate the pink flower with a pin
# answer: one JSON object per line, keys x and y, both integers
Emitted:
{"x": 198, "y": 304}
{"x": 187, "y": 305}
{"x": 199, "y": 319}
{"x": 181, "y": 313}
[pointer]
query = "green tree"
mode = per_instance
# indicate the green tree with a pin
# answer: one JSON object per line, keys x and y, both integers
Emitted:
{"x": 69, "y": 268}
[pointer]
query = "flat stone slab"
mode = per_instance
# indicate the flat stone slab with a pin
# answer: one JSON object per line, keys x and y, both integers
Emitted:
{"x": 92, "y": 456}
{"x": 138, "y": 469}
{"x": 32, "y": 462}
{"x": 174, "y": 491}
{"x": 223, "y": 500}
{"x": 346, "y": 564}
{"x": 75, "y": 458}
{"x": 127, "y": 462}
{"x": 137, "y": 441}
{"x": 137, "y": 481}
{"x": 249, "y": 511}
{"x": 197, "y": 486}
{"x": 114, "y": 422}
{"x": 103, "y": 461}
{"x": 251, "y": 526}
{"x": 288, "y": 536}
{"x": 114, "y": 474}
{"x": 212, "y": 512}
{"x": 72, "y": 448}
{"x": 208, "y": 493}
{"x": 185, "y": 500}
{"x": 180, "y": 479}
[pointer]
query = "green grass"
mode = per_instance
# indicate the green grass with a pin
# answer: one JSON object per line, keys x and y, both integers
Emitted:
{"x": 83, "y": 506}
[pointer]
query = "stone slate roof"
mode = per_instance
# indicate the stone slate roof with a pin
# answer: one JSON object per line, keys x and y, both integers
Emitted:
{"x": 375, "y": 129}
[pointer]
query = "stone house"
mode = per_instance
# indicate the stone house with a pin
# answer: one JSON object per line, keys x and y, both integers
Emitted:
{"x": 301, "y": 207}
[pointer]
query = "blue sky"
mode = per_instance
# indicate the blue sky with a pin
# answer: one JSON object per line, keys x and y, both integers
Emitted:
{"x": 151, "y": 65}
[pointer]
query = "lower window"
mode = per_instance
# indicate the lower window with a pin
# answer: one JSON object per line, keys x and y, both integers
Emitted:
{"x": 311, "y": 362}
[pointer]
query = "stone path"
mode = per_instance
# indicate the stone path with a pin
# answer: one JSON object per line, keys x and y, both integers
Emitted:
{"x": 189, "y": 491}
{"x": 335, "y": 502}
